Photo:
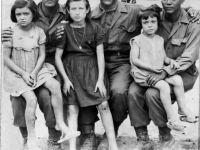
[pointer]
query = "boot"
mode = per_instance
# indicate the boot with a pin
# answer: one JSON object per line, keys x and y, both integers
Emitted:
{"x": 89, "y": 142}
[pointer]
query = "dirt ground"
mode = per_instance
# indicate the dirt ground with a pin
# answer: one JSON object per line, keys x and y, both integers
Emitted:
{"x": 11, "y": 138}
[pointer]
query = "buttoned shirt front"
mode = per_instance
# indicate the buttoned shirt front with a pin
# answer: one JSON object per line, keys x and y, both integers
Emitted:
{"x": 49, "y": 29}
{"x": 182, "y": 43}
{"x": 122, "y": 28}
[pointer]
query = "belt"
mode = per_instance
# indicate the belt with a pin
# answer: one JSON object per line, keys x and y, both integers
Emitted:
{"x": 112, "y": 53}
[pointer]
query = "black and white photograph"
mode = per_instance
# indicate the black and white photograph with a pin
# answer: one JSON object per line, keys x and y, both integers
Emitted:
{"x": 100, "y": 75}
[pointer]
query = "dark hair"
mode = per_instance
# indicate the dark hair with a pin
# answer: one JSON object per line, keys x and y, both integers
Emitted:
{"x": 88, "y": 15}
{"x": 24, "y": 3}
{"x": 146, "y": 14}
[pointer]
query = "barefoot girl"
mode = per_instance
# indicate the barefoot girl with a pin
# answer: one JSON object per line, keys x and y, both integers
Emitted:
{"x": 148, "y": 55}
{"x": 83, "y": 66}
{"x": 25, "y": 69}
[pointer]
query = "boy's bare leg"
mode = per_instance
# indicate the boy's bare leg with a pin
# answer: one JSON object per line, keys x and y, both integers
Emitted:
{"x": 107, "y": 121}
{"x": 72, "y": 117}
{"x": 31, "y": 104}
{"x": 56, "y": 99}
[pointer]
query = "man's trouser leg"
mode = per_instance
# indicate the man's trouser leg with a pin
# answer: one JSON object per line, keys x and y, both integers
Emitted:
{"x": 87, "y": 118}
{"x": 18, "y": 109}
{"x": 142, "y": 109}
{"x": 118, "y": 71}
{"x": 19, "y": 105}
{"x": 44, "y": 101}
{"x": 145, "y": 105}
{"x": 119, "y": 80}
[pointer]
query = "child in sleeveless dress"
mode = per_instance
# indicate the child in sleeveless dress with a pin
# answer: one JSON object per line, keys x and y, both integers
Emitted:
{"x": 148, "y": 55}
{"x": 82, "y": 68}
{"x": 25, "y": 69}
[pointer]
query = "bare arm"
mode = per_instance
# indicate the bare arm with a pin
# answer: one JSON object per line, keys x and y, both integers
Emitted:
{"x": 9, "y": 63}
{"x": 12, "y": 66}
{"x": 59, "y": 64}
{"x": 101, "y": 62}
{"x": 167, "y": 59}
{"x": 137, "y": 62}
{"x": 101, "y": 67}
{"x": 58, "y": 61}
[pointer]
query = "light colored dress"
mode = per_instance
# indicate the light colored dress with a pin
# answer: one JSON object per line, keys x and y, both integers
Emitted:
{"x": 25, "y": 52}
{"x": 150, "y": 52}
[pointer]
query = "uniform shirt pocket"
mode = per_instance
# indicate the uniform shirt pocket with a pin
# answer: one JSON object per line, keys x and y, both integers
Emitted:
{"x": 178, "y": 42}
{"x": 125, "y": 33}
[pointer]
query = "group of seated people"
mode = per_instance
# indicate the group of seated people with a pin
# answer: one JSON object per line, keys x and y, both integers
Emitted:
{"x": 119, "y": 59}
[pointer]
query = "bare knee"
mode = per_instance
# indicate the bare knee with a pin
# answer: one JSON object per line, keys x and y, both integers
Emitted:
{"x": 54, "y": 86}
{"x": 103, "y": 106}
{"x": 164, "y": 87}
{"x": 31, "y": 102}
{"x": 177, "y": 81}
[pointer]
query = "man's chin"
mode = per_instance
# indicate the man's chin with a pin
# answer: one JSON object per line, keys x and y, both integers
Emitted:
{"x": 108, "y": 2}
{"x": 50, "y": 4}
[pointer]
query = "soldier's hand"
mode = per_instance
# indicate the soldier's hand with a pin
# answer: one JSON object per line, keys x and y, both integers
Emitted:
{"x": 6, "y": 34}
{"x": 59, "y": 32}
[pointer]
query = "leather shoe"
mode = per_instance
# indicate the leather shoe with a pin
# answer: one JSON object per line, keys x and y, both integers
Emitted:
{"x": 104, "y": 143}
{"x": 89, "y": 142}
{"x": 168, "y": 143}
{"x": 24, "y": 145}
{"x": 144, "y": 143}
{"x": 53, "y": 145}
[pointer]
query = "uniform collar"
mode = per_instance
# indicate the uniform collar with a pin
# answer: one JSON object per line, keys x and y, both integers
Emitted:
{"x": 183, "y": 18}
{"x": 97, "y": 12}
{"x": 59, "y": 10}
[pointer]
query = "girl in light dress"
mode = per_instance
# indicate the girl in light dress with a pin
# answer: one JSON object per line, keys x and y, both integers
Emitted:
{"x": 82, "y": 68}
{"x": 25, "y": 69}
{"x": 148, "y": 55}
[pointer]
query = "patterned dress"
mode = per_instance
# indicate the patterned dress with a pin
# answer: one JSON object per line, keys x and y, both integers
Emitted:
{"x": 150, "y": 52}
{"x": 25, "y": 52}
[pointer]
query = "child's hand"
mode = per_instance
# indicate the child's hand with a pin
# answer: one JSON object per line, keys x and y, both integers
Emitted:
{"x": 27, "y": 78}
{"x": 156, "y": 70}
{"x": 102, "y": 89}
{"x": 174, "y": 64}
{"x": 34, "y": 77}
{"x": 66, "y": 87}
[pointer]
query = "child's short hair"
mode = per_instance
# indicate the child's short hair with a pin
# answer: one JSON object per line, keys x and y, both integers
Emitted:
{"x": 25, "y": 3}
{"x": 148, "y": 13}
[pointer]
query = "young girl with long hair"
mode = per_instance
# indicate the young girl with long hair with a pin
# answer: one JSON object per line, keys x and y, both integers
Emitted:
{"x": 82, "y": 68}
{"x": 25, "y": 69}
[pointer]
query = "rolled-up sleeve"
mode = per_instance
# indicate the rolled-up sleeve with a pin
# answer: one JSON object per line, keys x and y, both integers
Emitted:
{"x": 191, "y": 51}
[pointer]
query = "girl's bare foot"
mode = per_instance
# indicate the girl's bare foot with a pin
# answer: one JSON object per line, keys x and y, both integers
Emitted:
{"x": 174, "y": 125}
{"x": 32, "y": 144}
{"x": 69, "y": 135}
